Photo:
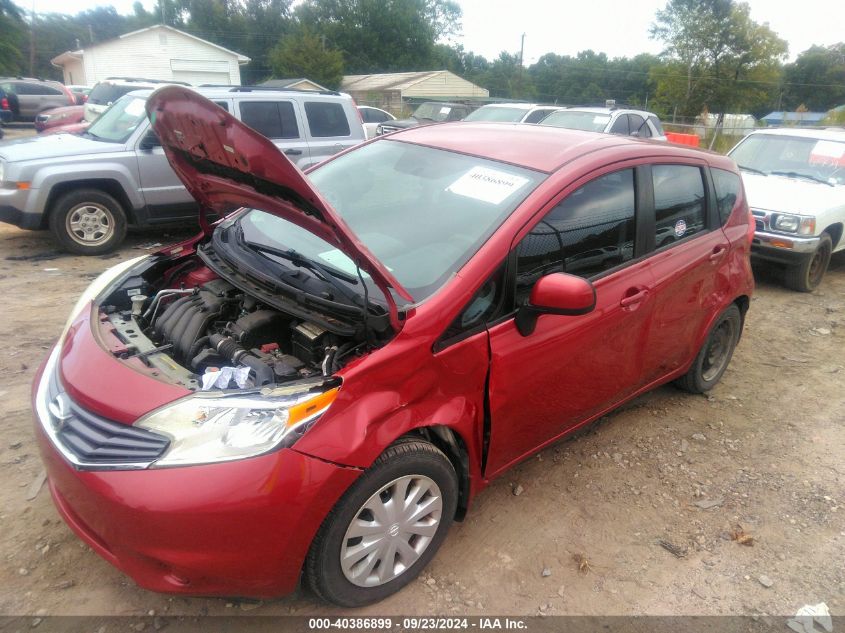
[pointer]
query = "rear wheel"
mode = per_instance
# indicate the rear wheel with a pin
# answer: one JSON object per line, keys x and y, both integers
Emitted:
{"x": 715, "y": 355}
{"x": 808, "y": 274}
{"x": 386, "y": 527}
{"x": 88, "y": 222}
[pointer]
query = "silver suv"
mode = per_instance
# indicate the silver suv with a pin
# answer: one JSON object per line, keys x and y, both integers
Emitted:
{"x": 28, "y": 97}
{"x": 86, "y": 189}
{"x": 610, "y": 119}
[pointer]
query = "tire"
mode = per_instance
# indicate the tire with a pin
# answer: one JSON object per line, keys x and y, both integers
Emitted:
{"x": 409, "y": 465}
{"x": 715, "y": 355}
{"x": 808, "y": 274}
{"x": 88, "y": 222}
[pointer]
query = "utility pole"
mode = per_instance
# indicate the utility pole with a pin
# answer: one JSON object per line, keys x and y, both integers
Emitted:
{"x": 32, "y": 42}
{"x": 161, "y": 4}
{"x": 521, "y": 49}
{"x": 91, "y": 33}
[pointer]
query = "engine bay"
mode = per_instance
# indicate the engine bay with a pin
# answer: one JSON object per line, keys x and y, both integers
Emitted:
{"x": 203, "y": 323}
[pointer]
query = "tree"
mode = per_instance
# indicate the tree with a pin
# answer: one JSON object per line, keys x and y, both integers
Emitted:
{"x": 378, "y": 36}
{"x": 816, "y": 78}
{"x": 303, "y": 55}
{"x": 12, "y": 30}
{"x": 716, "y": 56}
{"x": 506, "y": 77}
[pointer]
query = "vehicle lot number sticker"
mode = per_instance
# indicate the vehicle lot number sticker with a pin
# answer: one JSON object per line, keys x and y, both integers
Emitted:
{"x": 680, "y": 228}
{"x": 828, "y": 153}
{"x": 488, "y": 185}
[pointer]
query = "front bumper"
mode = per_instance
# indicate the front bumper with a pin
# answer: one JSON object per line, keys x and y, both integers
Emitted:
{"x": 13, "y": 208}
{"x": 236, "y": 528}
{"x": 781, "y": 247}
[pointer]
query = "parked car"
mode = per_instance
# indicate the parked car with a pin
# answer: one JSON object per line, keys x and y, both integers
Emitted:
{"x": 371, "y": 117}
{"x": 87, "y": 188}
{"x": 611, "y": 120}
{"x": 512, "y": 112}
{"x": 80, "y": 93}
{"x": 63, "y": 116}
{"x": 403, "y": 324}
{"x": 426, "y": 114}
{"x": 106, "y": 92}
{"x": 27, "y": 97}
{"x": 796, "y": 188}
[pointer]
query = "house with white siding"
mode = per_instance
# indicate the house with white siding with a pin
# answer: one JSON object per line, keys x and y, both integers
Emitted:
{"x": 390, "y": 91}
{"x": 157, "y": 52}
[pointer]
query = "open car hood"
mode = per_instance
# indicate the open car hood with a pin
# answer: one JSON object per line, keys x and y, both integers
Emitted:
{"x": 226, "y": 165}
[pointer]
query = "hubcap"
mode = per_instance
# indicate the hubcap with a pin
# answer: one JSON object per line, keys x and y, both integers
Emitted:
{"x": 718, "y": 349}
{"x": 90, "y": 224}
{"x": 391, "y": 531}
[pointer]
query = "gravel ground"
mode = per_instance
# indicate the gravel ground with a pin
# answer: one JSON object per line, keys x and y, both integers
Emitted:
{"x": 732, "y": 503}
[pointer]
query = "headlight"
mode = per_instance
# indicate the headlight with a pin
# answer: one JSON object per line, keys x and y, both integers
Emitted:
{"x": 97, "y": 286}
{"x": 206, "y": 427}
{"x": 803, "y": 225}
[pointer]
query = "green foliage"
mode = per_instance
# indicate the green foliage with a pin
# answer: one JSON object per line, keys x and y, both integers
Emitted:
{"x": 303, "y": 55}
{"x": 816, "y": 78}
{"x": 376, "y": 36}
{"x": 12, "y": 32}
{"x": 716, "y": 57}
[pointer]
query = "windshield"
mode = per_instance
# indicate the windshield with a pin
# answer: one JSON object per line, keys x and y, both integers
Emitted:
{"x": 422, "y": 212}
{"x": 432, "y": 111}
{"x": 575, "y": 120}
{"x": 118, "y": 122}
{"x": 794, "y": 156}
{"x": 497, "y": 113}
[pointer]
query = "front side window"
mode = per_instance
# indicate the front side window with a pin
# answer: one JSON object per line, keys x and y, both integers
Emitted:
{"x": 326, "y": 119}
{"x": 638, "y": 126}
{"x": 537, "y": 116}
{"x": 679, "y": 203}
{"x": 273, "y": 119}
{"x": 620, "y": 126}
{"x": 592, "y": 230}
{"x": 727, "y": 191}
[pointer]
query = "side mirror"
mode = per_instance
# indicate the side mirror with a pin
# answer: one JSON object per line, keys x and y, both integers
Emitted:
{"x": 149, "y": 141}
{"x": 556, "y": 293}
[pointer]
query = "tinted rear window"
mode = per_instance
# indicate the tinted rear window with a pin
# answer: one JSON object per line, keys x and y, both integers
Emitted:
{"x": 104, "y": 94}
{"x": 273, "y": 119}
{"x": 326, "y": 119}
{"x": 727, "y": 191}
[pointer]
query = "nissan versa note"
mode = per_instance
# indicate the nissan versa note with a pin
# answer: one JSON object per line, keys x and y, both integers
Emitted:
{"x": 317, "y": 385}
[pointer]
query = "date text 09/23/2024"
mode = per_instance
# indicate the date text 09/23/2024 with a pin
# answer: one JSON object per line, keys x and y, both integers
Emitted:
{"x": 416, "y": 623}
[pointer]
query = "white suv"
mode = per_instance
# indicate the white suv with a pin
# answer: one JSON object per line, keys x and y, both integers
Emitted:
{"x": 795, "y": 183}
{"x": 611, "y": 120}
{"x": 106, "y": 92}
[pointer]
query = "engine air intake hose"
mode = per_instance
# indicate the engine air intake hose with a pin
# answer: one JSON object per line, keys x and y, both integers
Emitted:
{"x": 229, "y": 349}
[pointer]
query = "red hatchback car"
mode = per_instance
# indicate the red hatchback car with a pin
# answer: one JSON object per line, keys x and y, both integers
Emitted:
{"x": 318, "y": 385}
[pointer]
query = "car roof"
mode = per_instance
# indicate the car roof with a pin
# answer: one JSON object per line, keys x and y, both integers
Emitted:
{"x": 600, "y": 110}
{"x": 518, "y": 106}
{"x": 539, "y": 147}
{"x": 827, "y": 134}
{"x": 230, "y": 91}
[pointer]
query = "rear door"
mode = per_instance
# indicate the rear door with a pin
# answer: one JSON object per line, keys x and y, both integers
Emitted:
{"x": 690, "y": 247}
{"x": 572, "y": 368}
{"x": 278, "y": 120}
{"x": 329, "y": 128}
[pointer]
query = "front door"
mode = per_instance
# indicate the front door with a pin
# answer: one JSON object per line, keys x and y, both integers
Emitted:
{"x": 572, "y": 368}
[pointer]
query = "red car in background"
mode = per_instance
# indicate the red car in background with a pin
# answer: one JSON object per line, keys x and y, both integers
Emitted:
{"x": 317, "y": 385}
{"x": 59, "y": 120}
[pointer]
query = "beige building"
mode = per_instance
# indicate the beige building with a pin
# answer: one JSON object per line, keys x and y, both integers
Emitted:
{"x": 158, "y": 52}
{"x": 390, "y": 91}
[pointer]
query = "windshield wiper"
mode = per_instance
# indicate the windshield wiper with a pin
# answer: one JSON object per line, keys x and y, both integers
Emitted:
{"x": 798, "y": 174}
{"x": 752, "y": 170}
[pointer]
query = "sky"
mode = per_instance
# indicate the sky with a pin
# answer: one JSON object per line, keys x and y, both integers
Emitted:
{"x": 615, "y": 27}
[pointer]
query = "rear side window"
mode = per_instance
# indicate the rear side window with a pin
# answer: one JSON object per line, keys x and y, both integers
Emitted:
{"x": 326, "y": 119}
{"x": 273, "y": 119}
{"x": 727, "y": 191}
{"x": 589, "y": 232}
{"x": 679, "y": 205}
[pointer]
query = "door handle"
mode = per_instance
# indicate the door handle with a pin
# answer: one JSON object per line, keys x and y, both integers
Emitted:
{"x": 718, "y": 252}
{"x": 633, "y": 296}
{"x": 293, "y": 152}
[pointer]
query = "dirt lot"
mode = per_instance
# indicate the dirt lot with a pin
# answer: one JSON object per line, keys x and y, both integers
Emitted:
{"x": 764, "y": 451}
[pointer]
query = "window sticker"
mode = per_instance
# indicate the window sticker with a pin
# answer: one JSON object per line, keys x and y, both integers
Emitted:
{"x": 680, "y": 228}
{"x": 828, "y": 153}
{"x": 487, "y": 185}
{"x": 445, "y": 110}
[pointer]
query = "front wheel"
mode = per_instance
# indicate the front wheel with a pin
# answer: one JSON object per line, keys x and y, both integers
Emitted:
{"x": 88, "y": 222}
{"x": 386, "y": 527}
{"x": 715, "y": 355}
{"x": 807, "y": 275}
